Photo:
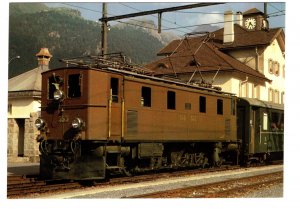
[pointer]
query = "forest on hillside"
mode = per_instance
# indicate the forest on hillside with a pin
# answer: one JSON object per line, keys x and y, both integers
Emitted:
{"x": 66, "y": 34}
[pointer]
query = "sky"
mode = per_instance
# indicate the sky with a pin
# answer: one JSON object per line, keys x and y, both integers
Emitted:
{"x": 177, "y": 19}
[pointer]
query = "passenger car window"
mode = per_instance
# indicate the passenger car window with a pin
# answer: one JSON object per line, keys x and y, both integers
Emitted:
{"x": 74, "y": 86}
{"x": 265, "y": 121}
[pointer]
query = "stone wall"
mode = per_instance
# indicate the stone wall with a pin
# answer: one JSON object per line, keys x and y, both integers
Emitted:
{"x": 12, "y": 135}
{"x": 31, "y": 146}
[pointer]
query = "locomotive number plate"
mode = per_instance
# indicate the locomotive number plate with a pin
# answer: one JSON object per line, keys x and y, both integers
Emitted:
{"x": 63, "y": 119}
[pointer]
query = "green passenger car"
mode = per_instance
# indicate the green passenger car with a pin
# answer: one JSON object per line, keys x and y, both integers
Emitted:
{"x": 260, "y": 125}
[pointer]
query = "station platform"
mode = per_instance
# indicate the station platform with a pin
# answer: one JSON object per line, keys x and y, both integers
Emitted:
{"x": 22, "y": 169}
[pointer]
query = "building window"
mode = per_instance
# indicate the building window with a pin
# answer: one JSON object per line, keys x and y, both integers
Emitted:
{"x": 114, "y": 89}
{"x": 74, "y": 86}
{"x": 171, "y": 100}
{"x": 256, "y": 92}
{"x": 250, "y": 90}
{"x": 271, "y": 95}
{"x": 187, "y": 106}
{"x": 162, "y": 65}
{"x": 282, "y": 97}
{"x": 244, "y": 91}
{"x": 202, "y": 104}
{"x": 283, "y": 71}
{"x": 146, "y": 97}
{"x": 220, "y": 106}
{"x": 270, "y": 66}
{"x": 276, "y": 96}
{"x": 276, "y": 68}
{"x": 9, "y": 108}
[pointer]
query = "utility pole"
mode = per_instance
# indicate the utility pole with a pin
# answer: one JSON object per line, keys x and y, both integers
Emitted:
{"x": 104, "y": 30}
{"x": 265, "y": 10}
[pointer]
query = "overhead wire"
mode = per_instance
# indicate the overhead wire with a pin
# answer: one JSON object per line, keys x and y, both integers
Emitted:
{"x": 165, "y": 29}
{"x": 164, "y": 19}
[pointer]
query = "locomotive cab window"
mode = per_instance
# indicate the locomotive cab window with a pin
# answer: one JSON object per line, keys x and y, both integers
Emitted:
{"x": 146, "y": 97}
{"x": 171, "y": 100}
{"x": 220, "y": 106}
{"x": 74, "y": 86}
{"x": 202, "y": 104}
{"x": 114, "y": 89}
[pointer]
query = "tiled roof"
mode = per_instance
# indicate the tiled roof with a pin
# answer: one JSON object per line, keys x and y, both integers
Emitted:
{"x": 242, "y": 38}
{"x": 246, "y": 38}
{"x": 253, "y": 11}
{"x": 208, "y": 56}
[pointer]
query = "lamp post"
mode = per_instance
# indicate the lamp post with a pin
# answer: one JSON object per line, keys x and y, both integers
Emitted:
{"x": 16, "y": 57}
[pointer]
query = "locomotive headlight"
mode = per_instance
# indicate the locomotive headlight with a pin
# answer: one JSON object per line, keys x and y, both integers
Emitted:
{"x": 77, "y": 123}
{"x": 40, "y": 123}
{"x": 58, "y": 95}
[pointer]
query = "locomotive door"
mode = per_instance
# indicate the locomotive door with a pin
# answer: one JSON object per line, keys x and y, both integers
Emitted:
{"x": 115, "y": 108}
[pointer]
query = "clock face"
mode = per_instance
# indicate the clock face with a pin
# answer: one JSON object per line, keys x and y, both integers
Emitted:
{"x": 250, "y": 23}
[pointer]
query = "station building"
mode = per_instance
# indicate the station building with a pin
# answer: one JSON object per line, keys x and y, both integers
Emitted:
{"x": 24, "y": 95}
{"x": 245, "y": 57}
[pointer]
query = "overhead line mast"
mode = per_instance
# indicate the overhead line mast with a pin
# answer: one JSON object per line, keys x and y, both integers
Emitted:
{"x": 106, "y": 19}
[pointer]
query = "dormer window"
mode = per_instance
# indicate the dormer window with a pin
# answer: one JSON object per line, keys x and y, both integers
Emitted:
{"x": 162, "y": 65}
{"x": 193, "y": 63}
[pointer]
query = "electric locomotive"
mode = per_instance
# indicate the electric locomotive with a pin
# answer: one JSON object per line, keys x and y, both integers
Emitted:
{"x": 99, "y": 120}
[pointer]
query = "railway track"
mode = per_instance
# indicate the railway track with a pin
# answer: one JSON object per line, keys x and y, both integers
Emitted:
{"x": 32, "y": 187}
{"x": 230, "y": 188}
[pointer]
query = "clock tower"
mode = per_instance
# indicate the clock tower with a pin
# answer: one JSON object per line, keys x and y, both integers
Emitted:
{"x": 254, "y": 19}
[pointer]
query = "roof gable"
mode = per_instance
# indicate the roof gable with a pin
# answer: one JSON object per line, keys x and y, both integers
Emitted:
{"x": 28, "y": 81}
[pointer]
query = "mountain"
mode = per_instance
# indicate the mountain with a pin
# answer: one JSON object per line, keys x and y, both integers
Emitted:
{"x": 66, "y": 34}
{"x": 206, "y": 28}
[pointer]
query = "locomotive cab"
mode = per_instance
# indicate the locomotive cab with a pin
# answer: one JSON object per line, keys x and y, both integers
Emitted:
{"x": 69, "y": 149}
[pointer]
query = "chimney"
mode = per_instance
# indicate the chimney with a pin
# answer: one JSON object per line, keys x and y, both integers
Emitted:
{"x": 43, "y": 58}
{"x": 228, "y": 27}
{"x": 239, "y": 18}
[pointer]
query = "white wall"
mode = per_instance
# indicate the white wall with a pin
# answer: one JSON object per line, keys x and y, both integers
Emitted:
{"x": 22, "y": 107}
{"x": 278, "y": 82}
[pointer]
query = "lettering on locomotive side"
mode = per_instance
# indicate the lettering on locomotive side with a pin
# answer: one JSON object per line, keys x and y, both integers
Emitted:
{"x": 63, "y": 119}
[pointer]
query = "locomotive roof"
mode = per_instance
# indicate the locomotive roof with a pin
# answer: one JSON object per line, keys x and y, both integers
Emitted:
{"x": 264, "y": 104}
{"x": 143, "y": 76}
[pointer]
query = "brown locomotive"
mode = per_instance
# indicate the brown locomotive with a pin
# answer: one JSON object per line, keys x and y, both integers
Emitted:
{"x": 99, "y": 120}
{"x": 94, "y": 120}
